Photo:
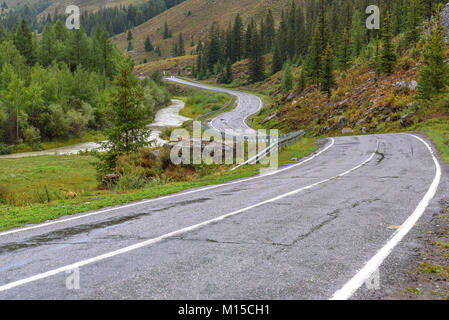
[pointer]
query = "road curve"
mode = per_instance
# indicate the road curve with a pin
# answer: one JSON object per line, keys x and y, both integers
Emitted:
{"x": 235, "y": 120}
{"x": 301, "y": 233}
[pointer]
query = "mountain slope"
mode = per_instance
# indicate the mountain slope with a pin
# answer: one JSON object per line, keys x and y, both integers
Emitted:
{"x": 203, "y": 13}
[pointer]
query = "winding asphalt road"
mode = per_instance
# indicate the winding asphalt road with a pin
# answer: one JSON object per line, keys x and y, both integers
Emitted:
{"x": 317, "y": 229}
{"x": 235, "y": 120}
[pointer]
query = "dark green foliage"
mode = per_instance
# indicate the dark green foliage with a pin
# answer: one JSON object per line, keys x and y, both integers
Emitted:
{"x": 327, "y": 77}
{"x": 434, "y": 74}
{"x": 148, "y": 45}
{"x": 387, "y": 54}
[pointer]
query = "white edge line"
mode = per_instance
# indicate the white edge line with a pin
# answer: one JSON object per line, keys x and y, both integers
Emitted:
{"x": 374, "y": 263}
{"x": 46, "y": 224}
{"x": 171, "y": 234}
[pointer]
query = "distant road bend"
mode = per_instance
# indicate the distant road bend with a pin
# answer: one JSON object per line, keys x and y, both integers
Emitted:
{"x": 317, "y": 229}
{"x": 235, "y": 119}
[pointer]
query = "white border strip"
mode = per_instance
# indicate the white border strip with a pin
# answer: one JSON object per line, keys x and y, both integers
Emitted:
{"x": 171, "y": 234}
{"x": 167, "y": 197}
{"x": 372, "y": 265}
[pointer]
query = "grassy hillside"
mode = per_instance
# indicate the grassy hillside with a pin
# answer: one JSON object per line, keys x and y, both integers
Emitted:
{"x": 203, "y": 14}
{"x": 86, "y": 5}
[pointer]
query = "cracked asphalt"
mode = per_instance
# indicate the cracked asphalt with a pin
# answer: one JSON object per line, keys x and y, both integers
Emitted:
{"x": 303, "y": 246}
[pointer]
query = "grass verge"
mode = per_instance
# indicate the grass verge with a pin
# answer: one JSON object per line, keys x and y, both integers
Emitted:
{"x": 34, "y": 172}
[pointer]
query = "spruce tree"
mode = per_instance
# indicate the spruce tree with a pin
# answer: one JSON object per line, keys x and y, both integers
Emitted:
{"x": 236, "y": 39}
{"x": 344, "y": 55}
{"x": 148, "y": 45}
{"x": 312, "y": 65}
{"x": 387, "y": 54}
{"x": 128, "y": 131}
{"x": 256, "y": 63}
{"x": 327, "y": 77}
{"x": 434, "y": 74}
{"x": 415, "y": 15}
{"x": 181, "y": 50}
{"x": 130, "y": 36}
{"x": 24, "y": 42}
{"x": 130, "y": 46}
{"x": 287, "y": 78}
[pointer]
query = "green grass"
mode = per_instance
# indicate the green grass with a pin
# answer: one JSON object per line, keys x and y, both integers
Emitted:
{"x": 77, "y": 174}
{"x": 438, "y": 131}
{"x": 59, "y": 143}
{"x": 30, "y": 180}
{"x": 203, "y": 102}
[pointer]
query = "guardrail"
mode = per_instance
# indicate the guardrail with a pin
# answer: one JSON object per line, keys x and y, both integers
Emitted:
{"x": 283, "y": 141}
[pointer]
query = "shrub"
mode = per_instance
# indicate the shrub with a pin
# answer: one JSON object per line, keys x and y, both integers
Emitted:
{"x": 6, "y": 149}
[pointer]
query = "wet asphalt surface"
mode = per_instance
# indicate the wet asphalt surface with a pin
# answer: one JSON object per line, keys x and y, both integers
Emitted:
{"x": 303, "y": 246}
{"x": 234, "y": 120}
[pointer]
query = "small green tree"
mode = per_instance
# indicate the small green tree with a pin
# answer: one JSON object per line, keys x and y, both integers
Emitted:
{"x": 128, "y": 131}
{"x": 287, "y": 79}
{"x": 148, "y": 45}
{"x": 130, "y": 46}
{"x": 327, "y": 77}
{"x": 434, "y": 74}
{"x": 130, "y": 36}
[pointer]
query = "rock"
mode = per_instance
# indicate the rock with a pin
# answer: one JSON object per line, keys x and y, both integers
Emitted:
{"x": 347, "y": 131}
{"x": 388, "y": 119}
{"x": 325, "y": 130}
{"x": 406, "y": 120}
{"x": 359, "y": 122}
{"x": 445, "y": 16}
{"x": 413, "y": 85}
{"x": 364, "y": 130}
{"x": 291, "y": 96}
{"x": 342, "y": 122}
{"x": 274, "y": 115}
{"x": 110, "y": 179}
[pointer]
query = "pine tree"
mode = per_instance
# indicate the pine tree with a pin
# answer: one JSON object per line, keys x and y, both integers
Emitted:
{"x": 256, "y": 63}
{"x": 387, "y": 54}
{"x": 269, "y": 31}
{"x": 167, "y": 32}
{"x": 327, "y": 77}
{"x": 302, "y": 82}
{"x": 344, "y": 56}
{"x": 415, "y": 15}
{"x": 148, "y": 45}
{"x": 130, "y": 46}
{"x": 130, "y": 36}
{"x": 312, "y": 65}
{"x": 181, "y": 50}
{"x": 434, "y": 74}
{"x": 287, "y": 78}
{"x": 236, "y": 39}
{"x": 276, "y": 62}
{"x": 357, "y": 34}
{"x": 47, "y": 50}
{"x": 128, "y": 131}
{"x": 24, "y": 42}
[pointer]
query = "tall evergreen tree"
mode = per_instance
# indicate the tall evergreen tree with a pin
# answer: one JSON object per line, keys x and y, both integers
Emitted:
{"x": 327, "y": 77}
{"x": 24, "y": 42}
{"x": 256, "y": 63}
{"x": 434, "y": 74}
{"x": 344, "y": 55}
{"x": 237, "y": 38}
{"x": 387, "y": 55}
{"x": 129, "y": 130}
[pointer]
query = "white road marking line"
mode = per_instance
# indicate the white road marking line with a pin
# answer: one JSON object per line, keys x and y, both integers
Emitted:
{"x": 172, "y": 234}
{"x": 372, "y": 265}
{"x": 167, "y": 197}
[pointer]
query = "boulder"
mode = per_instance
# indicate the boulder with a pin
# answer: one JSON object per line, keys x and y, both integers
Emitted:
{"x": 413, "y": 85}
{"x": 406, "y": 120}
{"x": 347, "y": 131}
{"x": 110, "y": 179}
{"x": 342, "y": 122}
